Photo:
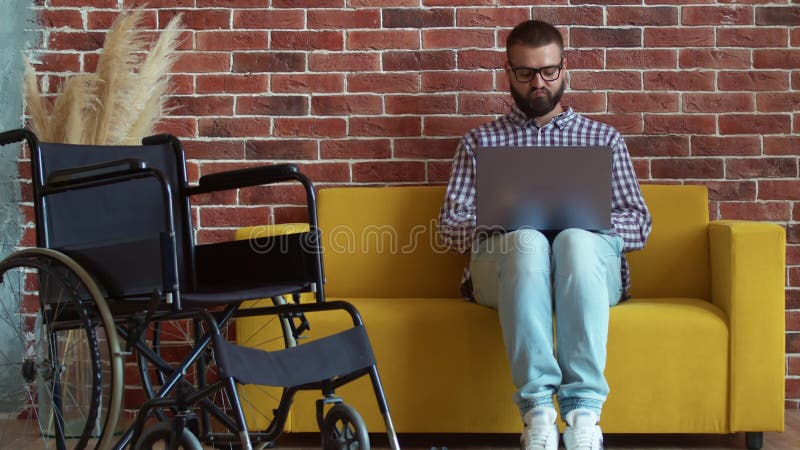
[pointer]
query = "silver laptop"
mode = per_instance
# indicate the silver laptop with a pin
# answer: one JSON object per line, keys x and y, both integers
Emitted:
{"x": 545, "y": 188}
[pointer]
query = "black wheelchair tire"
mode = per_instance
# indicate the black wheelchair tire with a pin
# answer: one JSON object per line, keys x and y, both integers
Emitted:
{"x": 162, "y": 432}
{"x": 344, "y": 429}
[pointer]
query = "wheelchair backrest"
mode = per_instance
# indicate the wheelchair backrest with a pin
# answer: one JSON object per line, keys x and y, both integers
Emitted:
{"x": 117, "y": 230}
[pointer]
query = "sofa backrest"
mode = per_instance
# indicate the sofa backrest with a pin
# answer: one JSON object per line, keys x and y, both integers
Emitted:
{"x": 381, "y": 242}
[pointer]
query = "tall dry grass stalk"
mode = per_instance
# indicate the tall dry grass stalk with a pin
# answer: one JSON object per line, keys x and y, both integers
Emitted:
{"x": 122, "y": 101}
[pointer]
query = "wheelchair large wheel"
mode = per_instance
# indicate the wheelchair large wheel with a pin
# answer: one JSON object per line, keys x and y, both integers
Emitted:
{"x": 174, "y": 339}
{"x": 60, "y": 367}
{"x": 160, "y": 437}
{"x": 344, "y": 429}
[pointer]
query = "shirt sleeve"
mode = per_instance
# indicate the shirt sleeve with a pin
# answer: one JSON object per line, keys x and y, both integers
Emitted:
{"x": 630, "y": 218}
{"x": 457, "y": 216}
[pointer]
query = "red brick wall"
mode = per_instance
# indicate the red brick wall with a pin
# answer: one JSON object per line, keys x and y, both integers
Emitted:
{"x": 379, "y": 91}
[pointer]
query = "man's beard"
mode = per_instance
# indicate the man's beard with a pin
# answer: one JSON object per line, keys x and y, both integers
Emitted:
{"x": 537, "y": 106}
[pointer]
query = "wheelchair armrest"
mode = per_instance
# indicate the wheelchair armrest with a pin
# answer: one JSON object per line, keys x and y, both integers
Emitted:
{"x": 253, "y": 176}
{"x": 94, "y": 173}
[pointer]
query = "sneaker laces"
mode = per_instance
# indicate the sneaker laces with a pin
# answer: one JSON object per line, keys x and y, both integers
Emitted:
{"x": 536, "y": 436}
{"x": 584, "y": 437}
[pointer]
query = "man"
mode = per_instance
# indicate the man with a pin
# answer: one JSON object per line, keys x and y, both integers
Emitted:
{"x": 533, "y": 278}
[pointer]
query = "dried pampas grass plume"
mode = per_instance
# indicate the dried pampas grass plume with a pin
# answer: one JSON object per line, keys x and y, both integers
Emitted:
{"x": 122, "y": 101}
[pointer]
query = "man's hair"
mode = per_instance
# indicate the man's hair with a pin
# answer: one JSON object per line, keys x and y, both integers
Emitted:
{"x": 534, "y": 33}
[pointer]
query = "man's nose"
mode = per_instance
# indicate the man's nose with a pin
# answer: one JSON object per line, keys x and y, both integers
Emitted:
{"x": 538, "y": 81}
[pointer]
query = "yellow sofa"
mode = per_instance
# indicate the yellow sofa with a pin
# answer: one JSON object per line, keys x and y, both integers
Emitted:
{"x": 698, "y": 349}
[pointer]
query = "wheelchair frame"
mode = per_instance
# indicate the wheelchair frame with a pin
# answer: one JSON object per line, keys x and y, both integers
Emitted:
{"x": 169, "y": 302}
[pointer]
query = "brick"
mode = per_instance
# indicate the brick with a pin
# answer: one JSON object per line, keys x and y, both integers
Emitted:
{"x": 745, "y": 168}
{"x": 655, "y": 16}
{"x": 671, "y": 124}
{"x": 198, "y": 19}
{"x": 350, "y": 149}
{"x": 457, "y": 2}
{"x": 796, "y": 80}
{"x": 725, "y": 146}
{"x": 213, "y": 105}
{"x": 180, "y": 127}
{"x": 792, "y": 297}
{"x": 425, "y": 148}
{"x": 637, "y": 59}
{"x": 438, "y": 172}
{"x": 624, "y": 123}
{"x": 687, "y": 168}
{"x": 269, "y": 19}
{"x": 457, "y": 38}
{"x": 606, "y": 2}
{"x": 213, "y": 149}
{"x": 345, "y": 105}
{"x": 419, "y": 60}
{"x": 585, "y": 80}
{"x": 59, "y": 62}
{"x": 585, "y": 59}
{"x": 754, "y": 211}
{"x": 782, "y": 145}
{"x": 385, "y": 126}
{"x": 79, "y": 41}
{"x": 754, "y": 123}
{"x": 491, "y": 17}
{"x": 648, "y": 146}
{"x": 235, "y": 127}
{"x": 586, "y": 102}
{"x": 420, "y": 104}
{"x": 481, "y": 59}
{"x": 290, "y": 214}
{"x": 793, "y": 237}
{"x": 307, "y": 83}
{"x": 181, "y": 84}
{"x": 792, "y": 320}
{"x": 280, "y": 149}
{"x": 236, "y": 84}
{"x": 272, "y": 105}
{"x": 452, "y": 126}
{"x": 231, "y": 40}
{"x": 795, "y": 37}
{"x": 459, "y": 81}
{"x": 234, "y": 216}
{"x": 605, "y": 37}
{"x": 215, "y": 198}
{"x": 717, "y": 15}
{"x": 779, "y": 190}
{"x": 232, "y": 3}
{"x": 778, "y": 15}
{"x": 344, "y": 62}
{"x": 255, "y": 62}
{"x": 485, "y": 103}
{"x": 95, "y": 3}
{"x": 679, "y": 37}
{"x": 346, "y": 19}
{"x": 382, "y": 40}
{"x": 734, "y": 102}
{"x": 569, "y": 15}
{"x": 310, "y": 127}
{"x": 752, "y": 37}
{"x": 273, "y": 194}
{"x": 307, "y": 40}
{"x": 642, "y": 102}
{"x": 679, "y": 81}
{"x": 308, "y": 3}
{"x": 326, "y": 172}
{"x": 778, "y": 101}
{"x": 61, "y": 18}
{"x": 712, "y": 58}
{"x": 383, "y": 82}
{"x": 389, "y": 171}
{"x": 418, "y": 18}
{"x": 794, "y": 366}
{"x": 776, "y": 59}
{"x": 206, "y": 62}
{"x": 720, "y": 191}
{"x": 753, "y": 81}
{"x": 356, "y": 3}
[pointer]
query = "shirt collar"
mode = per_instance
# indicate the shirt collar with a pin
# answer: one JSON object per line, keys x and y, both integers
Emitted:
{"x": 561, "y": 121}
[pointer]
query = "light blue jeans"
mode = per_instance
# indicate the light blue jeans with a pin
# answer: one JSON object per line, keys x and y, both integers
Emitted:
{"x": 515, "y": 274}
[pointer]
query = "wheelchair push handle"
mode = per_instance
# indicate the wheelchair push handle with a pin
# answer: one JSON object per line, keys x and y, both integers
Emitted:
{"x": 20, "y": 134}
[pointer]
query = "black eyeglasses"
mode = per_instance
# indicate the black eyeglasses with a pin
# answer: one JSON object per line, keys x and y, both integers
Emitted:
{"x": 527, "y": 74}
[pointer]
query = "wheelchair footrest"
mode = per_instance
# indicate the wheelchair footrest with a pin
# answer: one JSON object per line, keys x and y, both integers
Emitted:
{"x": 336, "y": 355}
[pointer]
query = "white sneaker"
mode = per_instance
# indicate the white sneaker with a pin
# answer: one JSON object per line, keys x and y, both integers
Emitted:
{"x": 541, "y": 432}
{"x": 582, "y": 431}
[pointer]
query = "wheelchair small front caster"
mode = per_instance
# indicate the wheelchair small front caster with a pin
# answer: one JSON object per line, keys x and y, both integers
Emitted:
{"x": 754, "y": 440}
{"x": 160, "y": 435}
{"x": 344, "y": 429}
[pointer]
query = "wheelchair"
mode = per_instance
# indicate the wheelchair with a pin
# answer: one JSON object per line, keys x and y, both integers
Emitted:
{"x": 116, "y": 287}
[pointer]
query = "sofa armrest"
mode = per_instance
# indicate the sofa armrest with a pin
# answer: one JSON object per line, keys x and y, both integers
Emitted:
{"x": 748, "y": 274}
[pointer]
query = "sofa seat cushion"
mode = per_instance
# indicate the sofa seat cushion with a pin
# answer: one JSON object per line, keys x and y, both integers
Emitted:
{"x": 438, "y": 355}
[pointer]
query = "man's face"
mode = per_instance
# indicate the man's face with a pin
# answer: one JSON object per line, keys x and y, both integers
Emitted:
{"x": 536, "y": 97}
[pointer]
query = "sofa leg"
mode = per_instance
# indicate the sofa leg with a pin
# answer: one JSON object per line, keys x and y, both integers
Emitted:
{"x": 754, "y": 440}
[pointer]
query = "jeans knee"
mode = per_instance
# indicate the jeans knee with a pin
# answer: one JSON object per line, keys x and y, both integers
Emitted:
{"x": 526, "y": 251}
{"x": 573, "y": 247}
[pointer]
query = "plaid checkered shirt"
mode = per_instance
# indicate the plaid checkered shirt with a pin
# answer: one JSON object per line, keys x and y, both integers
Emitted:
{"x": 630, "y": 218}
